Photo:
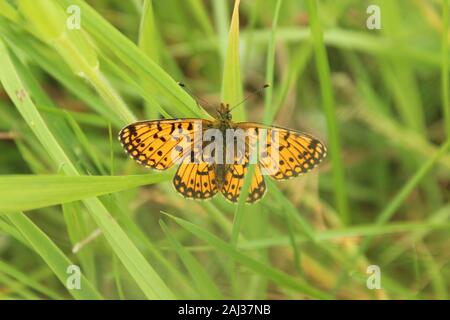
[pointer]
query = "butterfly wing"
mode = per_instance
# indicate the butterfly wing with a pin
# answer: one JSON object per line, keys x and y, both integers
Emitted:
{"x": 234, "y": 181}
{"x": 196, "y": 180}
{"x": 234, "y": 175}
{"x": 288, "y": 153}
{"x": 159, "y": 144}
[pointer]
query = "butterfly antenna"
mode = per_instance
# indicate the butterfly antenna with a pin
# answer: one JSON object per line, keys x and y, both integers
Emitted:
{"x": 253, "y": 93}
{"x": 193, "y": 96}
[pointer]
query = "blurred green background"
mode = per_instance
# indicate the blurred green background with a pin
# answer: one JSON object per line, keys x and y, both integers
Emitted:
{"x": 73, "y": 73}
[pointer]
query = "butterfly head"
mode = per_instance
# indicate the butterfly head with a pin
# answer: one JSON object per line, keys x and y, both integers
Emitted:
{"x": 224, "y": 112}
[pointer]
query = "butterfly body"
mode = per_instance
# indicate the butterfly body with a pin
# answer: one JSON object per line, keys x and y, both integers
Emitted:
{"x": 159, "y": 144}
{"x": 222, "y": 123}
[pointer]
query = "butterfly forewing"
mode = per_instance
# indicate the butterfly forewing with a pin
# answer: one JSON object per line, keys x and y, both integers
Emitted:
{"x": 288, "y": 153}
{"x": 160, "y": 144}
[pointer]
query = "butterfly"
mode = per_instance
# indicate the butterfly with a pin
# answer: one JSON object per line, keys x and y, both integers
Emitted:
{"x": 160, "y": 144}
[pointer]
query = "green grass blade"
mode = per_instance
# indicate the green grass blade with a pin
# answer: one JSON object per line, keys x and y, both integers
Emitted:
{"x": 52, "y": 255}
{"x": 148, "y": 34}
{"x": 17, "y": 290}
{"x": 149, "y": 43}
{"x": 237, "y": 222}
{"x": 294, "y": 245}
{"x": 239, "y": 212}
{"x": 445, "y": 69}
{"x": 231, "y": 82}
{"x": 130, "y": 55}
{"x": 203, "y": 282}
{"x": 49, "y": 62}
{"x": 8, "y": 11}
{"x": 144, "y": 275}
{"x": 76, "y": 223}
{"x": 270, "y": 63}
{"x": 199, "y": 12}
{"x": 329, "y": 108}
{"x": 276, "y": 276}
{"x": 28, "y": 280}
{"x": 36, "y": 191}
{"x": 75, "y": 48}
{"x": 291, "y": 210}
{"x": 396, "y": 202}
{"x": 222, "y": 22}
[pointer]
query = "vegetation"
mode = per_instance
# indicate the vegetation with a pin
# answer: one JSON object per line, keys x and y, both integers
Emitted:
{"x": 378, "y": 98}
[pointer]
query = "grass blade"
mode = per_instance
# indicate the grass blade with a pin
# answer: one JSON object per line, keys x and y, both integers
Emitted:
{"x": 396, "y": 202}
{"x": 52, "y": 255}
{"x": 144, "y": 275}
{"x": 276, "y": 276}
{"x": 445, "y": 68}
{"x": 203, "y": 282}
{"x": 129, "y": 54}
{"x": 36, "y": 191}
{"x": 239, "y": 212}
{"x": 231, "y": 82}
{"x": 329, "y": 108}
{"x": 270, "y": 63}
{"x": 28, "y": 280}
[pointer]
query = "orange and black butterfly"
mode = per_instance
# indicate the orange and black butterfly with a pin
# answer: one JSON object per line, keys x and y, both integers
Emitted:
{"x": 159, "y": 144}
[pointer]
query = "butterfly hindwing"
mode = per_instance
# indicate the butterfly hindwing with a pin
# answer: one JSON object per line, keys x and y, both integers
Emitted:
{"x": 196, "y": 180}
{"x": 234, "y": 174}
{"x": 234, "y": 181}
